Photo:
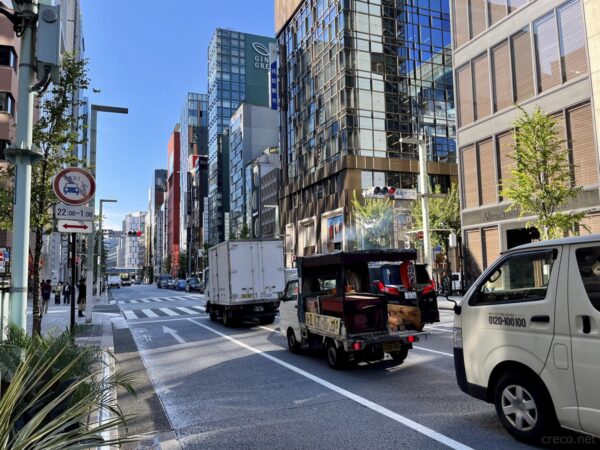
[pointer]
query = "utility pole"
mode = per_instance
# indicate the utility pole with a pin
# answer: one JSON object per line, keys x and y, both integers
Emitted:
{"x": 91, "y": 237}
{"x": 23, "y": 157}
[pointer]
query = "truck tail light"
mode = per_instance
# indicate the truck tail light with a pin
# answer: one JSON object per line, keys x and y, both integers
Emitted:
{"x": 357, "y": 346}
{"x": 411, "y": 339}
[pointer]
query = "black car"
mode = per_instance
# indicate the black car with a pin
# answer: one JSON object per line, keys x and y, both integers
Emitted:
{"x": 192, "y": 285}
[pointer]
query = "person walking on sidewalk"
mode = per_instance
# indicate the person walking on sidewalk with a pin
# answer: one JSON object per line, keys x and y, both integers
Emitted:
{"x": 81, "y": 298}
{"x": 46, "y": 292}
{"x": 66, "y": 293}
{"x": 57, "y": 292}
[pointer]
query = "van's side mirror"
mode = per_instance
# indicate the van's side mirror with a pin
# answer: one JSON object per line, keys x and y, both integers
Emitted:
{"x": 457, "y": 308}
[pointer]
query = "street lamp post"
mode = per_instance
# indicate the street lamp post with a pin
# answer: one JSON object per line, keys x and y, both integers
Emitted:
{"x": 92, "y": 167}
{"x": 423, "y": 188}
{"x": 99, "y": 275}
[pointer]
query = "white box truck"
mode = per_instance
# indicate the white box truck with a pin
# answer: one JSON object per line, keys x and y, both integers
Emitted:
{"x": 245, "y": 280}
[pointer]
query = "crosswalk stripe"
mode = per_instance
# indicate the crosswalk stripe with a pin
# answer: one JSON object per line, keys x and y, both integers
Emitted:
{"x": 200, "y": 308}
{"x": 146, "y": 300}
{"x": 149, "y": 313}
{"x": 185, "y": 310}
{"x": 129, "y": 314}
{"x": 132, "y": 301}
{"x": 168, "y": 312}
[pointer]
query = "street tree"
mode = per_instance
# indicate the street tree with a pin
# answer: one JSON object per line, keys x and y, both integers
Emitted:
{"x": 374, "y": 220}
{"x": 245, "y": 231}
{"x": 55, "y": 136}
{"x": 541, "y": 182}
{"x": 444, "y": 214}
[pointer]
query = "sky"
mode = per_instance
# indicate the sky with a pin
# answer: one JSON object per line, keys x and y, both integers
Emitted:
{"x": 146, "y": 55}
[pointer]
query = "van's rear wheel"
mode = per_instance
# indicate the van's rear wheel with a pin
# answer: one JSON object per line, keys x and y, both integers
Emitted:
{"x": 524, "y": 407}
{"x": 293, "y": 344}
{"x": 336, "y": 356}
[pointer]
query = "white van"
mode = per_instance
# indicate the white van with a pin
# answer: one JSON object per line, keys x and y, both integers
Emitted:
{"x": 527, "y": 338}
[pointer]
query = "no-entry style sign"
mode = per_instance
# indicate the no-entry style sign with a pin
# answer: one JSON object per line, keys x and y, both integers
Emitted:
{"x": 74, "y": 186}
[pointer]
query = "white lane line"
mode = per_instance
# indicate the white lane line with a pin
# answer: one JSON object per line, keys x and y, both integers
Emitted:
{"x": 149, "y": 313}
{"x": 129, "y": 314}
{"x": 185, "y": 310}
{"x": 437, "y": 352}
{"x": 354, "y": 397}
{"x": 168, "y": 312}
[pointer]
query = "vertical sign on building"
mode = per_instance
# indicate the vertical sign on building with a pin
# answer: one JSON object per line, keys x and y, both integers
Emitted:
{"x": 273, "y": 88}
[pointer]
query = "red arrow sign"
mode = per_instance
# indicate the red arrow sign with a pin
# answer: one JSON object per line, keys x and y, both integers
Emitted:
{"x": 75, "y": 227}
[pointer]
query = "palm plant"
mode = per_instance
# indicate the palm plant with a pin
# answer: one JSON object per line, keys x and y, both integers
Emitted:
{"x": 51, "y": 388}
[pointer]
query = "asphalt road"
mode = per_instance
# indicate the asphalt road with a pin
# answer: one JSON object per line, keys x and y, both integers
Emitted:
{"x": 241, "y": 388}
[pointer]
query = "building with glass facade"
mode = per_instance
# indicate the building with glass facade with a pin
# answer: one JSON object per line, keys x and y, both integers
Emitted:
{"x": 237, "y": 72}
{"x": 252, "y": 129}
{"x": 194, "y": 146}
{"x": 357, "y": 76}
{"x": 534, "y": 54}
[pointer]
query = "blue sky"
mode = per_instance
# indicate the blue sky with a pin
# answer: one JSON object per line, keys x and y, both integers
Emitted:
{"x": 146, "y": 55}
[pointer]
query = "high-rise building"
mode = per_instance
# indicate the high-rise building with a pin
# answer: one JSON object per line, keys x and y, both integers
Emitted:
{"x": 238, "y": 66}
{"x": 172, "y": 203}
{"x": 157, "y": 198}
{"x": 531, "y": 54}
{"x": 194, "y": 146}
{"x": 358, "y": 77}
{"x": 262, "y": 194}
{"x": 251, "y": 130}
{"x": 135, "y": 248}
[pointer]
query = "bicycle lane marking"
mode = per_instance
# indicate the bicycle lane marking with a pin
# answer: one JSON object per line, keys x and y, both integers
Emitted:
{"x": 422, "y": 429}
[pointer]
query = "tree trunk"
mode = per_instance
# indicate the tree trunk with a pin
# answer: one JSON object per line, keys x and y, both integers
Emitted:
{"x": 37, "y": 302}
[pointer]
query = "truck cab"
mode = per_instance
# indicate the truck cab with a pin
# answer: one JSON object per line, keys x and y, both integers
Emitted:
{"x": 527, "y": 338}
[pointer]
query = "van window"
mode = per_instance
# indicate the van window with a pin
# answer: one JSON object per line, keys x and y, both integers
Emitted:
{"x": 588, "y": 260}
{"x": 292, "y": 291}
{"x": 519, "y": 278}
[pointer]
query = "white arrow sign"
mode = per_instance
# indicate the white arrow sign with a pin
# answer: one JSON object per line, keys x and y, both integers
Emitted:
{"x": 74, "y": 226}
{"x": 174, "y": 334}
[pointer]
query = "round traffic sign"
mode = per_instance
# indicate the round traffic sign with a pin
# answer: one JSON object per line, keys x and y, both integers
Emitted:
{"x": 74, "y": 186}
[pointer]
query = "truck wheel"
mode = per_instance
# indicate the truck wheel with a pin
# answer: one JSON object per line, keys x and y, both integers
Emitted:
{"x": 266, "y": 320}
{"x": 400, "y": 355}
{"x": 293, "y": 344}
{"x": 336, "y": 356}
{"x": 524, "y": 407}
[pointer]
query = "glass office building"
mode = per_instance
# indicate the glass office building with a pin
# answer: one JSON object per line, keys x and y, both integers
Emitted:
{"x": 358, "y": 76}
{"x": 237, "y": 72}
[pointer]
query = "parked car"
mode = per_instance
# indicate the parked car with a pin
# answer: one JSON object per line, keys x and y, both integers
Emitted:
{"x": 161, "y": 280}
{"x": 171, "y": 283}
{"x": 202, "y": 287}
{"x": 114, "y": 281}
{"x": 192, "y": 285}
{"x": 180, "y": 285}
{"x": 526, "y": 338}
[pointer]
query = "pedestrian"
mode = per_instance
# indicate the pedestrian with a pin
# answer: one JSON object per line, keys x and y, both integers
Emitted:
{"x": 81, "y": 298}
{"x": 46, "y": 289}
{"x": 57, "y": 292}
{"x": 67, "y": 294}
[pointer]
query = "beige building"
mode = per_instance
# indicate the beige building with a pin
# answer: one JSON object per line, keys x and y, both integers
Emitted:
{"x": 532, "y": 53}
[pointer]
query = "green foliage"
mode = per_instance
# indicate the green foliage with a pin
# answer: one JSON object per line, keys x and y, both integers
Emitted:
{"x": 167, "y": 264}
{"x": 54, "y": 386}
{"x": 444, "y": 213}
{"x": 245, "y": 231}
{"x": 541, "y": 182}
{"x": 374, "y": 222}
{"x": 7, "y": 195}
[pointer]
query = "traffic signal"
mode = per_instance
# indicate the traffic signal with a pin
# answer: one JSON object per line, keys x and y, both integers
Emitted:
{"x": 139, "y": 234}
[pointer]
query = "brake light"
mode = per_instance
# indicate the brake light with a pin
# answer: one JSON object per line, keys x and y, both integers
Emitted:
{"x": 391, "y": 290}
{"x": 381, "y": 287}
{"x": 357, "y": 346}
{"x": 429, "y": 288}
{"x": 411, "y": 339}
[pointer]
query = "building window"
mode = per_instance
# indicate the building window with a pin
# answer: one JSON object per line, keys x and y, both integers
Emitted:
{"x": 522, "y": 66}
{"x": 497, "y": 9}
{"x": 3, "y": 145}
{"x": 7, "y": 103}
{"x": 477, "y": 15}
{"x": 572, "y": 40}
{"x": 482, "y": 87}
{"x": 8, "y": 57}
{"x": 465, "y": 95}
{"x": 546, "y": 53}
{"x": 503, "y": 96}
